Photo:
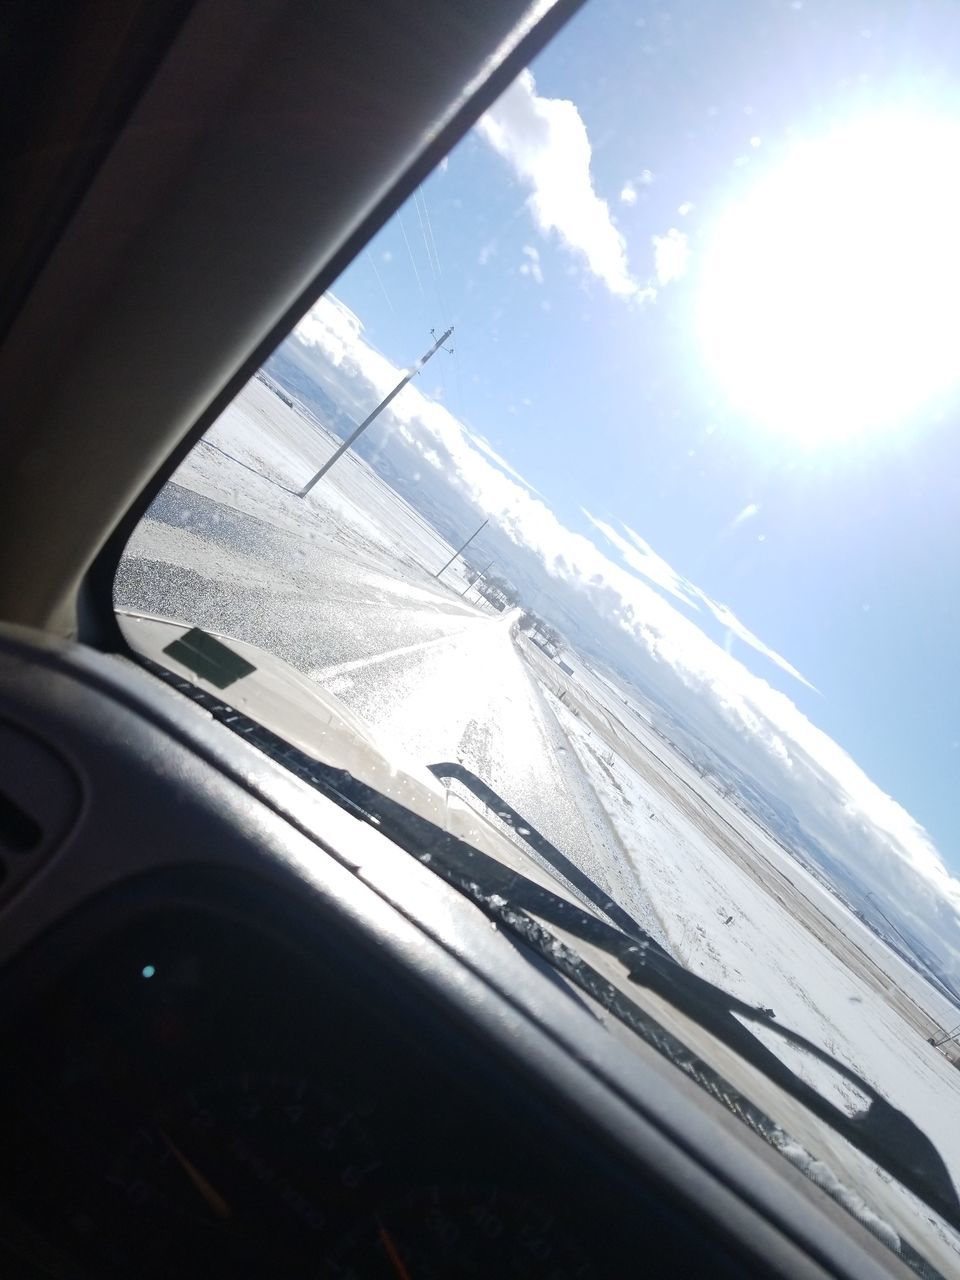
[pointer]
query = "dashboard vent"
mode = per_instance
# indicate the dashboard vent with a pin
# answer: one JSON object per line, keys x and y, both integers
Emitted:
{"x": 39, "y": 803}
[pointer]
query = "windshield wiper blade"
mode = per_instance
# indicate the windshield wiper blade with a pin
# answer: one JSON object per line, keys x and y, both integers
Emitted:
{"x": 544, "y": 848}
{"x": 881, "y": 1131}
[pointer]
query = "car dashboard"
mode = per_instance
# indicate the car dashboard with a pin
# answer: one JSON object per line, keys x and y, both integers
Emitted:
{"x": 214, "y": 1088}
{"x": 197, "y": 1093}
{"x": 245, "y": 1035}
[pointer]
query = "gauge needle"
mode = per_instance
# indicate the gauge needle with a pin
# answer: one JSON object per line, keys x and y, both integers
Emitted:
{"x": 214, "y": 1199}
{"x": 393, "y": 1253}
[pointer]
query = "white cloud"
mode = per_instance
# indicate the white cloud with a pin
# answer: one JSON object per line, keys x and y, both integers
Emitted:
{"x": 486, "y": 447}
{"x": 685, "y": 208}
{"x": 748, "y": 512}
{"x": 642, "y": 558}
{"x": 755, "y": 727}
{"x": 727, "y": 618}
{"x": 545, "y": 142}
{"x": 531, "y": 264}
{"x": 671, "y": 252}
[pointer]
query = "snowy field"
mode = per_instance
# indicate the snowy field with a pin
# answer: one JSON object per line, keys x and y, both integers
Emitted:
{"x": 279, "y": 449}
{"x": 740, "y": 912}
{"x": 727, "y": 898}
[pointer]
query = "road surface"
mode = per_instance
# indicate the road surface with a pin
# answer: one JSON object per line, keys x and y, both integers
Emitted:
{"x": 434, "y": 676}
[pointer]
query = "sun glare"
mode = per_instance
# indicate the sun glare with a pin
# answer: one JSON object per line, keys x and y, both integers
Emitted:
{"x": 830, "y": 293}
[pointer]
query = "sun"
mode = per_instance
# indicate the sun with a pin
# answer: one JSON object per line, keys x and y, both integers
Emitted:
{"x": 829, "y": 303}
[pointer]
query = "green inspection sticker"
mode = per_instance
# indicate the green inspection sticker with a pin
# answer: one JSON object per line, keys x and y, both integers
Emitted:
{"x": 208, "y": 658}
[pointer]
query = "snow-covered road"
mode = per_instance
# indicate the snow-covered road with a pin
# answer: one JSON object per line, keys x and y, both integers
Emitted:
{"x": 434, "y": 677}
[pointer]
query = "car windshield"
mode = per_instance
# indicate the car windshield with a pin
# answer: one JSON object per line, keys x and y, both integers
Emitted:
{"x": 619, "y": 474}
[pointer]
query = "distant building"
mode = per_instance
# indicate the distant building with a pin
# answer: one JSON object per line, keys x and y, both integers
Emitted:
{"x": 547, "y": 645}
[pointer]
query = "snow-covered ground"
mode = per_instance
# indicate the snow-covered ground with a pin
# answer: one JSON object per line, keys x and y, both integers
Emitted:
{"x": 278, "y": 449}
{"x": 743, "y": 914}
{"x": 731, "y": 902}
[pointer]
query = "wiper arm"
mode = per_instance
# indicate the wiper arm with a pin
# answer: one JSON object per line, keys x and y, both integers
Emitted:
{"x": 880, "y": 1131}
{"x": 546, "y": 850}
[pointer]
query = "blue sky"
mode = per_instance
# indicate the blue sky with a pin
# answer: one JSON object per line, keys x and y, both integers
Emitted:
{"x": 840, "y": 556}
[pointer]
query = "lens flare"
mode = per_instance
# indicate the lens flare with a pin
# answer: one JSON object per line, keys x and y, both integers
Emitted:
{"x": 830, "y": 294}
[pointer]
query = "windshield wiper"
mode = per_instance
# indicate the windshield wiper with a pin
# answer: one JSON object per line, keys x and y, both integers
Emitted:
{"x": 544, "y": 848}
{"x": 880, "y": 1131}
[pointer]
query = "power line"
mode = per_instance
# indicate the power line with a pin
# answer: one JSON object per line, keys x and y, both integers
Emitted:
{"x": 423, "y": 232}
{"x": 380, "y": 282}
{"x": 433, "y": 239}
{"x": 430, "y": 247}
{"x": 413, "y": 261}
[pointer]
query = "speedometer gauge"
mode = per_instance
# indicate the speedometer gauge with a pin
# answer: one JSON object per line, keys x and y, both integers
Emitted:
{"x": 251, "y": 1175}
{"x": 446, "y": 1233}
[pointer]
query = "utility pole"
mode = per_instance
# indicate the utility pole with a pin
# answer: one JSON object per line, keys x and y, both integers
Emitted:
{"x": 880, "y": 911}
{"x": 479, "y": 578}
{"x": 411, "y": 373}
{"x": 459, "y": 549}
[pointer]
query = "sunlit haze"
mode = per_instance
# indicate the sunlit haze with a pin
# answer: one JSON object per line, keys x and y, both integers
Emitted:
{"x": 829, "y": 290}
